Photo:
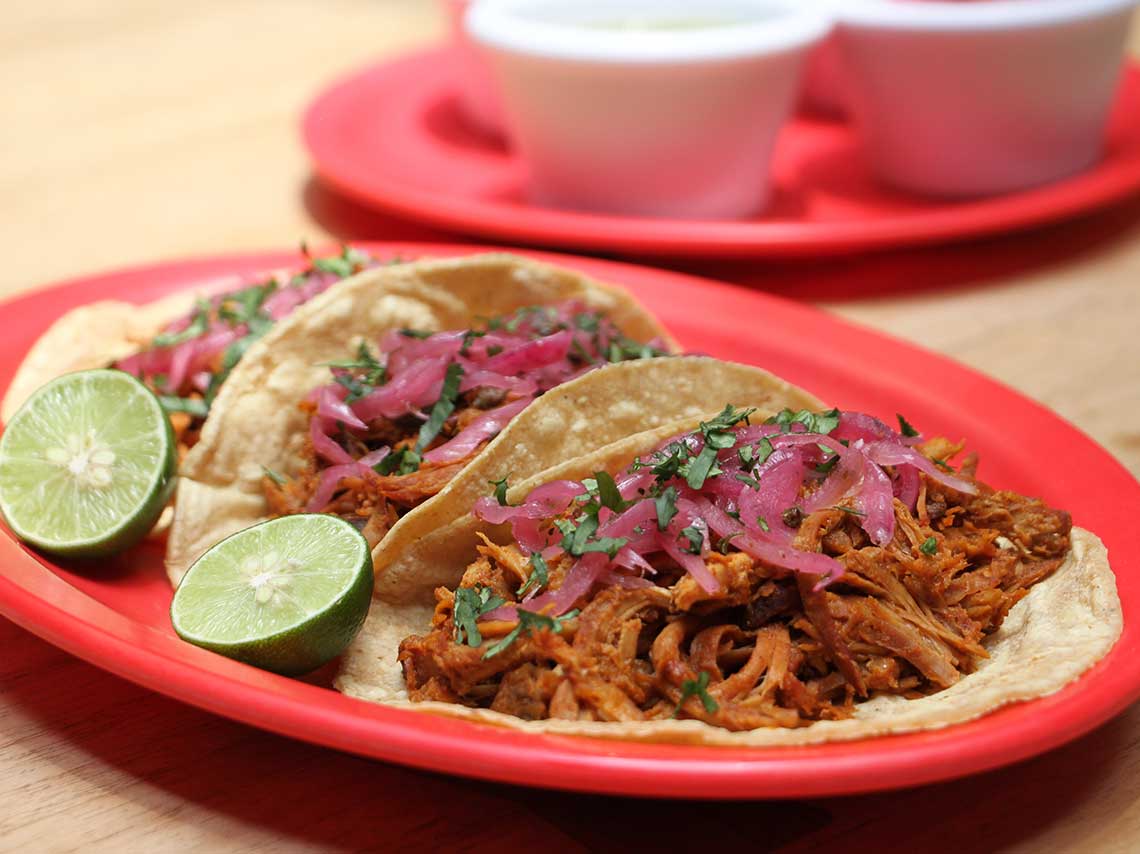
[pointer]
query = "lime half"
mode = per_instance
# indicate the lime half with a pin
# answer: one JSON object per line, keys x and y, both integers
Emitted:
{"x": 86, "y": 464}
{"x": 286, "y": 595}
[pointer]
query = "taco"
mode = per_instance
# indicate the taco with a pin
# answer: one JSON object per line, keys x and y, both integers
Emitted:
{"x": 811, "y": 576}
{"x": 182, "y": 346}
{"x": 370, "y": 401}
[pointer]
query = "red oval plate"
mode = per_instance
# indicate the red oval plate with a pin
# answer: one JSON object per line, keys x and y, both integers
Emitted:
{"x": 392, "y": 137}
{"x": 115, "y": 614}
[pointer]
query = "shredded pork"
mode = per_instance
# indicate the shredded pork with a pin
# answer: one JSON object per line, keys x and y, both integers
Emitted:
{"x": 905, "y": 619}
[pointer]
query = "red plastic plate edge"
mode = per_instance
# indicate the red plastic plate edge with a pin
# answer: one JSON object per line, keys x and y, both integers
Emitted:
{"x": 35, "y": 598}
{"x": 1103, "y": 185}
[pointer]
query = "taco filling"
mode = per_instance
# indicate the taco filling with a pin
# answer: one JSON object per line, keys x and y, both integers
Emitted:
{"x": 743, "y": 575}
{"x": 186, "y": 364}
{"x": 396, "y": 425}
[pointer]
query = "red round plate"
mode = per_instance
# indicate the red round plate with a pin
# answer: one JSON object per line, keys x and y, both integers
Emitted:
{"x": 115, "y": 614}
{"x": 393, "y": 137}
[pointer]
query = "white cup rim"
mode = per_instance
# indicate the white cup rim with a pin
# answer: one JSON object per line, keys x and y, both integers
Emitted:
{"x": 995, "y": 14}
{"x": 499, "y": 24}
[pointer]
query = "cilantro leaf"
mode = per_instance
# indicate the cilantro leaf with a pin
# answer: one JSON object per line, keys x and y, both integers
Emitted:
{"x": 586, "y": 321}
{"x": 274, "y": 476}
{"x": 539, "y": 574}
{"x": 748, "y": 481}
{"x": 606, "y": 545}
{"x": 764, "y": 450}
{"x": 501, "y": 487}
{"x": 199, "y": 323}
{"x": 349, "y": 262}
{"x": 813, "y": 422}
{"x": 244, "y": 306}
{"x": 696, "y": 538}
{"x": 398, "y": 462}
{"x": 373, "y": 373}
{"x": 827, "y": 465}
{"x": 608, "y": 492}
{"x": 528, "y": 623}
{"x": 193, "y": 406}
{"x": 905, "y": 427}
{"x": 416, "y": 333}
{"x": 443, "y": 407}
{"x": 470, "y": 604}
{"x": 582, "y": 533}
{"x": 702, "y": 468}
{"x": 697, "y": 688}
{"x": 929, "y": 546}
{"x": 724, "y": 542}
{"x": 666, "y": 507}
{"x": 728, "y": 418}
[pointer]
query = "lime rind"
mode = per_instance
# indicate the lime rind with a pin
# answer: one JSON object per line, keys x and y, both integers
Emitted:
{"x": 86, "y": 464}
{"x": 286, "y": 595}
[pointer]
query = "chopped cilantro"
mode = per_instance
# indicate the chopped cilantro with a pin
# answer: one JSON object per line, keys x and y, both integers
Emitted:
{"x": 342, "y": 266}
{"x": 586, "y": 321}
{"x": 500, "y": 489}
{"x": 274, "y": 476}
{"x": 400, "y": 461}
{"x": 539, "y": 573}
{"x": 356, "y": 389}
{"x": 609, "y": 546}
{"x": 764, "y": 450}
{"x": 199, "y": 323}
{"x": 470, "y": 604}
{"x": 763, "y": 523}
{"x": 528, "y": 623}
{"x": 748, "y": 480}
{"x": 244, "y": 306}
{"x": 608, "y": 493}
{"x": 717, "y": 437}
{"x": 193, "y": 406}
{"x": 929, "y": 546}
{"x": 416, "y": 333}
{"x": 695, "y": 537}
{"x": 469, "y": 338}
{"x": 746, "y": 454}
{"x": 666, "y": 464}
{"x": 576, "y": 538}
{"x": 697, "y": 688}
{"x": 850, "y": 510}
{"x": 373, "y": 373}
{"x": 702, "y": 468}
{"x": 723, "y": 543}
{"x": 443, "y": 407}
{"x": 905, "y": 427}
{"x": 728, "y": 418}
{"x": 666, "y": 507}
{"x": 813, "y": 422}
{"x": 581, "y": 534}
{"x": 827, "y": 465}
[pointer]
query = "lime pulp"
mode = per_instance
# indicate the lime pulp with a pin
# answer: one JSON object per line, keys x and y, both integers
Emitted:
{"x": 86, "y": 464}
{"x": 286, "y": 595}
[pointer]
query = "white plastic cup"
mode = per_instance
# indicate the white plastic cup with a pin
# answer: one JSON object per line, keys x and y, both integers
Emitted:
{"x": 973, "y": 99}
{"x": 647, "y": 122}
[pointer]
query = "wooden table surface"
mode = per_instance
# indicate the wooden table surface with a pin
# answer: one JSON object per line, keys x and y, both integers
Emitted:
{"x": 137, "y": 131}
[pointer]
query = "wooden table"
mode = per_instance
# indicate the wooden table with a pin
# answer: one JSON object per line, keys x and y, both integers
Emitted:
{"x": 137, "y": 131}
